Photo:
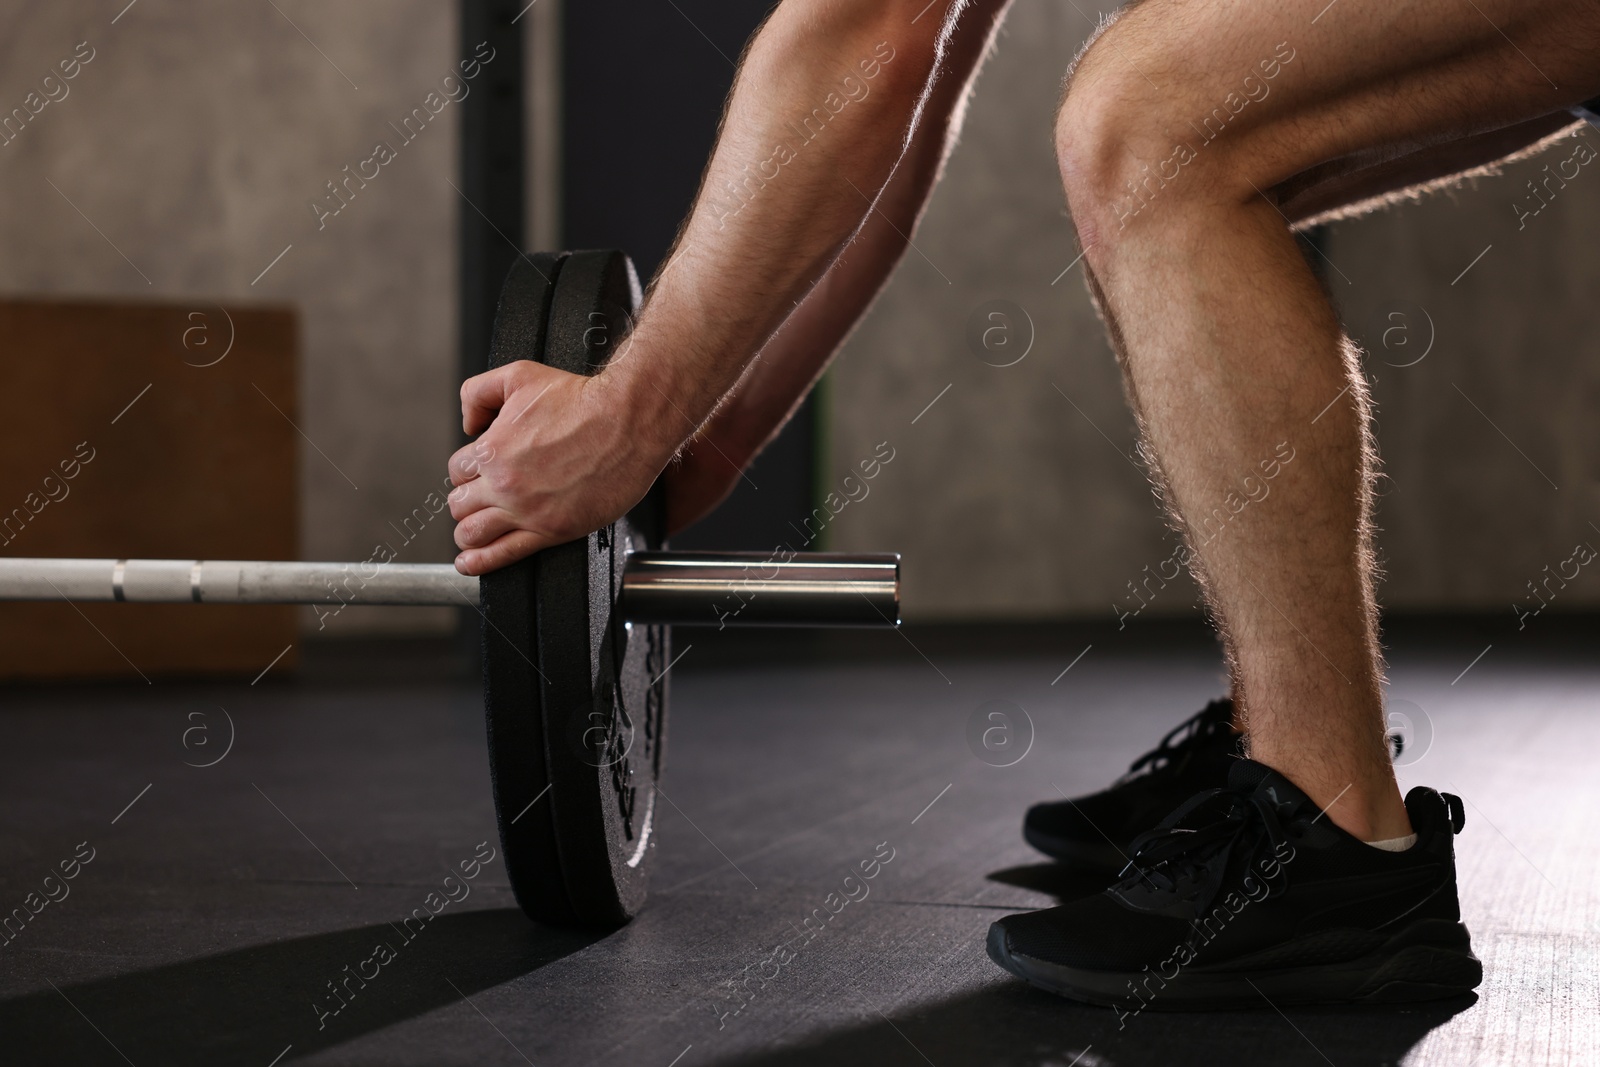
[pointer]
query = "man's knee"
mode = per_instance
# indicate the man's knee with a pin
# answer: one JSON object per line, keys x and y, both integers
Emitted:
{"x": 1088, "y": 151}
{"x": 1111, "y": 171}
{"x": 1138, "y": 159}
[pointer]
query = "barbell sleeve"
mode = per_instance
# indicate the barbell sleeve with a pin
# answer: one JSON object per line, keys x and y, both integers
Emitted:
{"x": 760, "y": 589}
{"x": 679, "y": 588}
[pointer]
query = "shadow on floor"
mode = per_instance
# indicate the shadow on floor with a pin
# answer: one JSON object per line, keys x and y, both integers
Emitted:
{"x": 1053, "y": 878}
{"x": 247, "y": 1006}
{"x": 1009, "y": 1024}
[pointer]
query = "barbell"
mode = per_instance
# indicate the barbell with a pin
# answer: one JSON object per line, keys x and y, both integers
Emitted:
{"x": 576, "y": 638}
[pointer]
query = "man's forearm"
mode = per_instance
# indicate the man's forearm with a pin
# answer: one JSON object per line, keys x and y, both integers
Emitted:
{"x": 792, "y": 360}
{"x": 819, "y": 116}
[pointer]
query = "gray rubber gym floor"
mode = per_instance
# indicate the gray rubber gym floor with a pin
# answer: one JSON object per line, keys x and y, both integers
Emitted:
{"x": 221, "y": 902}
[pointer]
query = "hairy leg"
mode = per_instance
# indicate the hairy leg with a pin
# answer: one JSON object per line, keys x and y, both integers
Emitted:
{"x": 1185, "y": 128}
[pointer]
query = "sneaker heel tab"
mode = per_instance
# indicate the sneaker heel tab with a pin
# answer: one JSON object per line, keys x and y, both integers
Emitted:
{"x": 1432, "y": 809}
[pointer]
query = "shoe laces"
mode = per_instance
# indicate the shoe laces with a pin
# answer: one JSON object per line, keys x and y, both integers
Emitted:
{"x": 1181, "y": 741}
{"x": 1193, "y": 862}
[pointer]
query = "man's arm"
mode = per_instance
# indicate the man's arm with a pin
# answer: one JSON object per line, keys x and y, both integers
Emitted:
{"x": 792, "y": 361}
{"x": 799, "y": 157}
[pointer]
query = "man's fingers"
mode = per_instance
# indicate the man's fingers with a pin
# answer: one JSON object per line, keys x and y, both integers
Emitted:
{"x": 469, "y": 497}
{"x": 516, "y": 388}
{"x": 482, "y": 527}
{"x": 469, "y": 460}
{"x": 483, "y": 395}
{"x": 518, "y": 544}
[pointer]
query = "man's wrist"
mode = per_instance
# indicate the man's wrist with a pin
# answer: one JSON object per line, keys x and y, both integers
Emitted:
{"x": 649, "y": 396}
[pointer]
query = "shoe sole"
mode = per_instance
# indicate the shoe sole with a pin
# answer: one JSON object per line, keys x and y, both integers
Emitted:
{"x": 1087, "y": 856}
{"x": 1429, "y": 960}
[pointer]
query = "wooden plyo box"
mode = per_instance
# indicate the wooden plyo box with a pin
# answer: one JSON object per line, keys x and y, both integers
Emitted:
{"x": 146, "y": 430}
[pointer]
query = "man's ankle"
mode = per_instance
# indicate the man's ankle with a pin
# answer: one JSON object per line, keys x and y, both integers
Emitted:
{"x": 1367, "y": 811}
{"x": 1365, "y": 820}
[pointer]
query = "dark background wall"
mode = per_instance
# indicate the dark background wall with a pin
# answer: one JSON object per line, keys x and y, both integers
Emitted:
{"x": 643, "y": 87}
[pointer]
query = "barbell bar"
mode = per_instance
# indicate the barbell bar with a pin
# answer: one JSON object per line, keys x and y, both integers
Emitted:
{"x": 832, "y": 589}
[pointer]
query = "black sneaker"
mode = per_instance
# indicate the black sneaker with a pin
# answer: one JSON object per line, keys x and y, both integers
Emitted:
{"x": 1094, "y": 833}
{"x": 1246, "y": 895}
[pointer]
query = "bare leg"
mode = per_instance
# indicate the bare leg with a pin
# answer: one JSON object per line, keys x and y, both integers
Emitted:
{"x": 1244, "y": 384}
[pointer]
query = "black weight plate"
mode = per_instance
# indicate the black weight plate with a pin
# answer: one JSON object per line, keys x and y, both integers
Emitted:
{"x": 604, "y": 720}
{"x": 589, "y": 694}
{"x": 511, "y": 678}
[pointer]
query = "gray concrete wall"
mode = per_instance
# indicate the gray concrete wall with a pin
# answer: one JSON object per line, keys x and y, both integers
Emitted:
{"x": 194, "y": 140}
{"x": 1014, "y": 492}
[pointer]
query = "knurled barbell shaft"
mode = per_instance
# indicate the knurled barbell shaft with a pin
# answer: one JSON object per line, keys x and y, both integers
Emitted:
{"x": 227, "y": 581}
{"x": 680, "y": 588}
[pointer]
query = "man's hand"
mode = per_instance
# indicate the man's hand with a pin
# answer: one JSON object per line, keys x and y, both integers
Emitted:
{"x": 558, "y": 456}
